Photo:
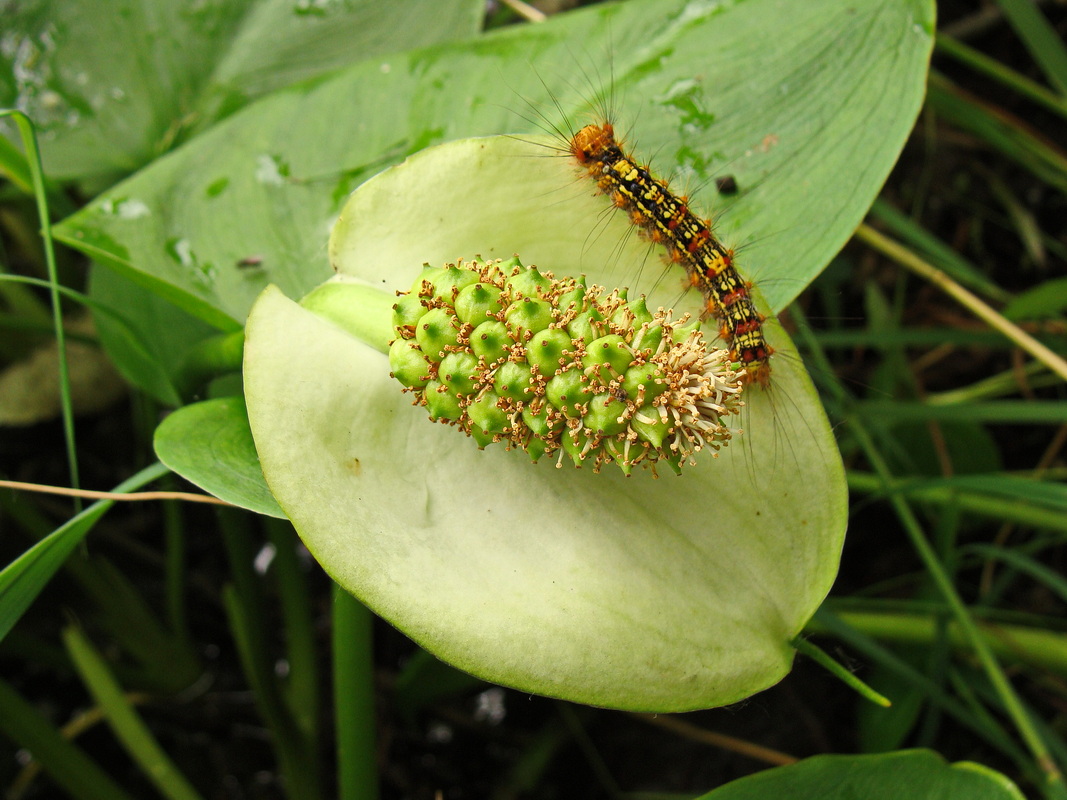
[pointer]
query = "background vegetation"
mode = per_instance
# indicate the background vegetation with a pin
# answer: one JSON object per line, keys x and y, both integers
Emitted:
{"x": 188, "y": 651}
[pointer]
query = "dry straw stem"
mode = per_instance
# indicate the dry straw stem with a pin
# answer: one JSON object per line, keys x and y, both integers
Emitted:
{"x": 907, "y": 259}
{"x": 526, "y": 11}
{"x": 721, "y": 740}
{"x": 91, "y": 495}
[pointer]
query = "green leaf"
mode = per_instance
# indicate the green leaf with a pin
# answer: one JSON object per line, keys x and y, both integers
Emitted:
{"x": 151, "y": 339}
{"x": 808, "y": 111}
{"x": 113, "y": 90}
{"x": 914, "y": 774}
{"x": 637, "y": 593}
{"x": 209, "y": 444}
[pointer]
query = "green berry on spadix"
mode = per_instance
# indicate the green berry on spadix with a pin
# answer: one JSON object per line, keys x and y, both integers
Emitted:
{"x": 508, "y": 353}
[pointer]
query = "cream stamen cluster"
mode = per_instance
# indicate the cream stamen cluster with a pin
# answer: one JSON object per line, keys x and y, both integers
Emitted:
{"x": 507, "y": 353}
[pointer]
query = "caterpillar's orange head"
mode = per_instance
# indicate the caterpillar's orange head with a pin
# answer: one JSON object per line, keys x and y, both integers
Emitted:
{"x": 591, "y": 141}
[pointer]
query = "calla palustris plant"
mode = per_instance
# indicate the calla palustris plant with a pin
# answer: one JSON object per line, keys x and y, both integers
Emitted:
{"x": 635, "y": 592}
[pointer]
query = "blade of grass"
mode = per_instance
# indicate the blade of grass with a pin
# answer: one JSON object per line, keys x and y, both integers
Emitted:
{"x": 20, "y": 302}
{"x": 160, "y": 659}
{"x": 897, "y": 339}
{"x": 425, "y": 680}
{"x": 1033, "y": 646}
{"x": 936, "y": 250}
{"x": 1013, "y": 412}
{"x": 353, "y": 689}
{"x": 528, "y": 770}
{"x": 575, "y": 720}
{"x": 13, "y": 322}
{"x": 24, "y": 578}
{"x": 909, "y": 260}
{"x": 1051, "y": 735}
{"x": 71, "y": 294}
{"x": 1023, "y": 511}
{"x": 28, "y": 134}
{"x": 992, "y": 68}
{"x": 245, "y": 606}
{"x": 175, "y": 569}
{"x": 66, "y": 763}
{"x": 1041, "y": 39}
{"x": 1001, "y": 130}
{"x": 16, "y": 168}
{"x": 127, "y": 724}
{"x": 1050, "y": 578}
{"x": 1021, "y": 216}
{"x": 130, "y": 331}
{"x": 168, "y": 663}
{"x": 1002, "y": 384}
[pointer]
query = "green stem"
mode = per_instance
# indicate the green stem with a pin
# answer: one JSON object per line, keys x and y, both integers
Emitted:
{"x": 353, "y": 684}
{"x": 977, "y": 719}
{"x": 907, "y": 259}
{"x": 1040, "y": 38}
{"x": 175, "y": 569}
{"x": 296, "y": 762}
{"x": 16, "y": 168}
{"x": 246, "y": 609}
{"x": 24, "y": 578}
{"x": 823, "y": 659}
{"x": 208, "y": 359}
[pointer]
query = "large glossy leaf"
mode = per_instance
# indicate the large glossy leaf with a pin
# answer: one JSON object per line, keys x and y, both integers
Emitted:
{"x": 113, "y": 88}
{"x": 807, "y": 109}
{"x": 638, "y": 593}
{"x": 914, "y": 774}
